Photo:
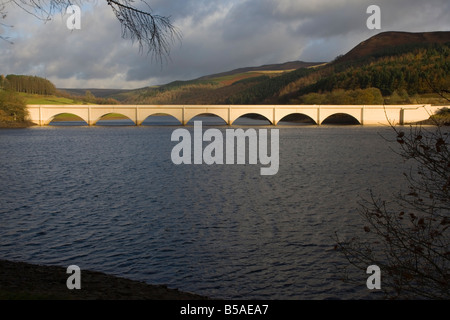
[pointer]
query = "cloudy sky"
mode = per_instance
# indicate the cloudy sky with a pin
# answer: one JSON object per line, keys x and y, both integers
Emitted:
{"x": 217, "y": 36}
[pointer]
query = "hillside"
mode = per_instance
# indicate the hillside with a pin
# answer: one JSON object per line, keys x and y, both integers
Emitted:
{"x": 99, "y": 93}
{"x": 191, "y": 89}
{"x": 211, "y": 89}
{"x": 391, "y": 67}
{"x": 388, "y": 68}
{"x": 402, "y": 67}
{"x": 287, "y": 66}
{"x": 382, "y": 42}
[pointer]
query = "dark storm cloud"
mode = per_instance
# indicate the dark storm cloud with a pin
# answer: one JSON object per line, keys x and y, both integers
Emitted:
{"x": 216, "y": 36}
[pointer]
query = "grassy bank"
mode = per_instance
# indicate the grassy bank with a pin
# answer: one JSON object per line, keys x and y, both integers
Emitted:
{"x": 23, "y": 281}
{"x": 15, "y": 124}
{"x": 47, "y": 99}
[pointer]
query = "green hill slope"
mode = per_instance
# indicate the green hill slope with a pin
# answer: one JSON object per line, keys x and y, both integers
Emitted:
{"x": 211, "y": 89}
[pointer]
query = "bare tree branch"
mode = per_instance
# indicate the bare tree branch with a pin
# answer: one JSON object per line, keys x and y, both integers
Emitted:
{"x": 151, "y": 31}
{"x": 3, "y": 15}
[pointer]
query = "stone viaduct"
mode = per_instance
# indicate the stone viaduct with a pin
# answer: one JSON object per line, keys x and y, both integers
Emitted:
{"x": 364, "y": 114}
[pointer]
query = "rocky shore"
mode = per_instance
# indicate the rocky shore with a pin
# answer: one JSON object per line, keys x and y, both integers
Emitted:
{"x": 23, "y": 281}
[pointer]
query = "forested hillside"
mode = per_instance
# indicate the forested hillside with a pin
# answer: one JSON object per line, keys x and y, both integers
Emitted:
{"x": 406, "y": 75}
{"x": 415, "y": 72}
{"x": 390, "y": 68}
{"x": 211, "y": 90}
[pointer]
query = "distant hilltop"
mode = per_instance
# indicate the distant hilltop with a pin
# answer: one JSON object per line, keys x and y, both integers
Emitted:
{"x": 392, "y": 39}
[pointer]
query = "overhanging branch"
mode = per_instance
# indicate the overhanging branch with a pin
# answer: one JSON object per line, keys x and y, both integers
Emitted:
{"x": 154, "y": 33}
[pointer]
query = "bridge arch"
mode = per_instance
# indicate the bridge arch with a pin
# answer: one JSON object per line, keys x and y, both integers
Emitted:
{"x": 263, "y": 115}
{"x": 96, "y": 114}
{"x": 49, "y": 115}
{"x": 174, "y": 111}
{"x": 191, "y": 112}
{"x": 328, "y": 111}
{"x": 341, "y": 118}
{"x": 253, "y": 116}
{"x": 72, "y": 115}
{"x": 110, "y": 115}
{"x": 309, "y": 111}
{"x": 156, "y": 114}
{"x": 213, "y": 115}
{"x": 297, "y": 118}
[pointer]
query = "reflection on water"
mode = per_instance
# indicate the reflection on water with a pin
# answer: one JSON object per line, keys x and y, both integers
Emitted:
{"x": 110, "y": 199}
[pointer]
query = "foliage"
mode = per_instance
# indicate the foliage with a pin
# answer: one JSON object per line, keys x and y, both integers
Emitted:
{"x": 410, "y": 72}
{"x": 176, "y": 93}
{"x": 88, "y": 98}
{"x": 202, "y": 91}
{"x": 267, "y": 89}
{"x": 12, "y": 107}
{"x": 29, "y": 84}
{"x": 369, "y": 96}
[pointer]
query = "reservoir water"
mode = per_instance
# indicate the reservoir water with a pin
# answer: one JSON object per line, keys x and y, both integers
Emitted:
{"x": 109, "y": 198}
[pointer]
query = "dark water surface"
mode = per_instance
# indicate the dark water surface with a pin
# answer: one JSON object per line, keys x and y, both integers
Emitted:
{"x": 110, "y": 199}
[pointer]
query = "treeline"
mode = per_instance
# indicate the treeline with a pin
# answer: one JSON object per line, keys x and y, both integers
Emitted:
{"x": 27, "y": 84}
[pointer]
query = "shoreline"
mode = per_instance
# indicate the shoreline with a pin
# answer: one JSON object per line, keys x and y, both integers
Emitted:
{"x": 16, "y": 125}
{"x": 26, "y": 281}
